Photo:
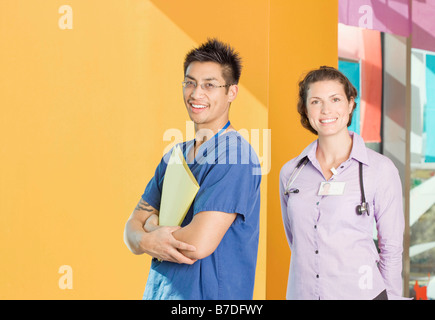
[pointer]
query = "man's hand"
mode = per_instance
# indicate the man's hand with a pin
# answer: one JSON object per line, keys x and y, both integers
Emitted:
{"x": 161, "y": 244}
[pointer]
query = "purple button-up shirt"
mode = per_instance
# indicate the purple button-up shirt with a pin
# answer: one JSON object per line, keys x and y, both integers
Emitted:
{"x": 333, "y": 254}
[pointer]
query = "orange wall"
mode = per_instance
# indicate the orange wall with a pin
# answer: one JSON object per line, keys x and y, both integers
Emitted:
{"x": 303, "y": 35}
{"x": 84, "y": 112}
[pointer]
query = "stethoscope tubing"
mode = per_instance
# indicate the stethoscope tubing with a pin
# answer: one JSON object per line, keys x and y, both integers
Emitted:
{"x": 362, "y": 208}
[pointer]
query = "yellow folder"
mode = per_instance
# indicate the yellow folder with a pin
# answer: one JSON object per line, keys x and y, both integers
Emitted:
{"x": 179, "y": 189}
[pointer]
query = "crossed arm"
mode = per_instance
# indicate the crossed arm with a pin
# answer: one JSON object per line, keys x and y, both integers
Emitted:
{"x": 195, "y": 241}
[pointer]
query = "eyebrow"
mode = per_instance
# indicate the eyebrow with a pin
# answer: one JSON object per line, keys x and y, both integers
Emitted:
{"x": 206, "y": 79}
{"x": 190, "y": 77}
{"x": 332, "y": 95}
{"x": 210, "y": 79}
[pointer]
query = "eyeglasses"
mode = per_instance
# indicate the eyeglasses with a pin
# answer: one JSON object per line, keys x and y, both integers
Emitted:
{"x": 207, "y": 86}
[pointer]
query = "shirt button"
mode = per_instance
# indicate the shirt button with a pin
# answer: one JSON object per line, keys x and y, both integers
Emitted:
{"x": 317, "y": 276}
{"x": 317, "y": 251}
{"x": 315, "y": 226}
{"x": 317, "y": 203}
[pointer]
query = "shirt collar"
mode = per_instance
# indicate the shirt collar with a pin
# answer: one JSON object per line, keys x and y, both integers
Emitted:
{"x": 358, "y": 152}
{"x": 359, "y": 149}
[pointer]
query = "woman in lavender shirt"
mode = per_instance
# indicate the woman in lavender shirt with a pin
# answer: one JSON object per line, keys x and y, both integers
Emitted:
{"x": 332, "y": 195}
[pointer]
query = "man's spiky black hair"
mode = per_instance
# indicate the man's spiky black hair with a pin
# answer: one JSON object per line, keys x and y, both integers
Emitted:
{"x": 216, "y": 51}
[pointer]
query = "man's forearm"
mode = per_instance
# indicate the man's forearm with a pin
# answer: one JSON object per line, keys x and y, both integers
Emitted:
{"x": 157, "y": 242}
{"x": 133, "y": 236}
{"x": 205, "y": 232}
{"x": 134, "y": 232}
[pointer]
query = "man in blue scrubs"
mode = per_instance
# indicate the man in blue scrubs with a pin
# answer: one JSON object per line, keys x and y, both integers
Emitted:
{"x": 213, "y": 254}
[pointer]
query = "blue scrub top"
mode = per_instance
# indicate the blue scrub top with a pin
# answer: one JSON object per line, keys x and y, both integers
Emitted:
{"x": 229, "y": 174}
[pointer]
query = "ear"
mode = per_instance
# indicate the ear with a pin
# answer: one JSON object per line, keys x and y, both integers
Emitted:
{"x": 232, "y": 92}
{"x": 351, "y": 104}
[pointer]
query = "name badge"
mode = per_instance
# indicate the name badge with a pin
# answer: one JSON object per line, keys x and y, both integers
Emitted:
{"x": 331, "y": 188}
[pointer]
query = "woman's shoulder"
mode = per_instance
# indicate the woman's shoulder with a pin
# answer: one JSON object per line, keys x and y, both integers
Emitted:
{"x": 289, "y": 166}
{"x": 380, "y": 162}
{"x": 292, "y": 163}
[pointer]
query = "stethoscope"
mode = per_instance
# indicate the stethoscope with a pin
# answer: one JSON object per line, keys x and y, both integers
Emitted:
{"x": 360, "y": 209}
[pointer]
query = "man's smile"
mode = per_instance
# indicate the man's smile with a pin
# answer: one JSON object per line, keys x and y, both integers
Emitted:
{"x": 198, "y": 106}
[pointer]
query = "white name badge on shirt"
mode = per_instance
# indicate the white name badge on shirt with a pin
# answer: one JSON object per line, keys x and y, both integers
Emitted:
{"x": 331, "y": 188}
